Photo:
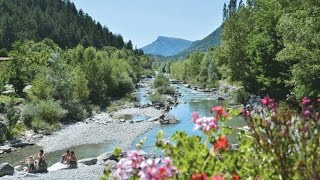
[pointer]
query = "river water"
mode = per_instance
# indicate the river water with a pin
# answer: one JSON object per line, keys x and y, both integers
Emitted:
{"x": 190, "y": 101}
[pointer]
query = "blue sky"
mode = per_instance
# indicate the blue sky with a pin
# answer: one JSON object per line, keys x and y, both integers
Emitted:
{"x": 142, "y": 21}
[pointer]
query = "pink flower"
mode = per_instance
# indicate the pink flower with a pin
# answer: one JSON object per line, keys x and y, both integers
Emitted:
{"x": 305, "y": 101}
{"x": 306, "y": 113}
{"x": 195, "y": 116}
{"x": 123, "y": 170}
{"x": 157, "y": 169}
{"x": 265, "y": 101}
{"x": 217, "y": 178}
{"x": 219, "y": 111}
{"x": 206, "y": 124}
{"x": 135, "y": 159}
{"x": 245, "y": 113}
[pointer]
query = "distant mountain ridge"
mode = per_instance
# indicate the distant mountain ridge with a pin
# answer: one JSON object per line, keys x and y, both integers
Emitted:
{"x": 211, "y": 40}
{"x": 167, "y": 46}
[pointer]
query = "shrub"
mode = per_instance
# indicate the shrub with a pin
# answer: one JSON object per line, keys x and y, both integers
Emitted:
{"x": 157, "y": 98}
{"x": 241, "y": 96}
{"x": 49, "y": 112}
{"x": 38, "y": 124}
{"x": 161, "y": 81}
{"x": 3, "y": 53}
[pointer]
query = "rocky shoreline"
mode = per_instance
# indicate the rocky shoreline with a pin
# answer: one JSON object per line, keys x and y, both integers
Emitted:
{"x": 100, "y": 128}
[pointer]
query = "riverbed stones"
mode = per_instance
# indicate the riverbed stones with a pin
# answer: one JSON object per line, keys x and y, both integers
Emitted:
{"x": 88, "y": 161}
{"x": 6, "y": 169}
{"x": 6, "y": 148}
{"x": 168, "y": 119}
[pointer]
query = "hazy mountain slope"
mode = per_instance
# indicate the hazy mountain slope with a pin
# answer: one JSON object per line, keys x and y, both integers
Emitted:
{"x": 167, "y": 46}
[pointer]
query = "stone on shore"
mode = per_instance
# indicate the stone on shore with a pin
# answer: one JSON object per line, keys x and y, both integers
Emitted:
{"x": 58, "y": 166}
{"x": 6, "y": 169}
{"x": 6, "y": 148}
{"x": 88, "y": 161}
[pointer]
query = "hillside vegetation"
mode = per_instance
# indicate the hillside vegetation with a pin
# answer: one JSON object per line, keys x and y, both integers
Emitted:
{"x": 54, "y": 19}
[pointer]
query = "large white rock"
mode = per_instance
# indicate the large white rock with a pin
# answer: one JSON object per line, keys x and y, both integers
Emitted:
{"x": 58, "y": 166}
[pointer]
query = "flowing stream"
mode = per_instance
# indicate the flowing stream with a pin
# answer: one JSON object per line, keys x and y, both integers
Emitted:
{"x": 190, "y": 101}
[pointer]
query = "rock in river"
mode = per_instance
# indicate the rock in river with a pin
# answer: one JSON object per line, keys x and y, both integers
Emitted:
{"x": 6, "y": 169}
{"x": 88, "y": 161}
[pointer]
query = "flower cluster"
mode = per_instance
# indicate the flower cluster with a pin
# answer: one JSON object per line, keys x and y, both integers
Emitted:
{"x": 136, "y": 165}
{"x": 219, "y": 112}
{"x": 204, "y": 176}
{"x": 268, "y": 102}
{"x": 128, "y": 166}
{"x": 221, "y": 144}
{"x": 206, "y": 124}
{"x": 157, "y": 169}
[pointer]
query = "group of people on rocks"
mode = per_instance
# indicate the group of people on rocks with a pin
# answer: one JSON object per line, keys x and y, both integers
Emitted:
{"x": 68, "y": 158}
{"x": 36, "y": 162}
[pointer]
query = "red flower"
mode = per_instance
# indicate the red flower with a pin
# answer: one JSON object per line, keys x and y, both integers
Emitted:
{"x": 235, "y": 177}
{"x": 202, "y": 176}
{"x": 221, "y": 144}
{"x": 219, "y": 111}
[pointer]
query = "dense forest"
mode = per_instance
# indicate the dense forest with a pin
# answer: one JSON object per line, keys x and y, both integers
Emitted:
{"x": 271, "y": 47}
{"x": 54, "y": 19}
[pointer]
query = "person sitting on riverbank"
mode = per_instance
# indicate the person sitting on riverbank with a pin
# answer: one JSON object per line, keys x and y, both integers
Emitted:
{"x": 65, "y": 157}
{"x": 41, "y": 158}
{"x": 72, "y": 160}
{"x": 30, "y": 164}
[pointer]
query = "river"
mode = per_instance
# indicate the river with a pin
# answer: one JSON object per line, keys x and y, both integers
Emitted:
{"x": 190, "y": 101}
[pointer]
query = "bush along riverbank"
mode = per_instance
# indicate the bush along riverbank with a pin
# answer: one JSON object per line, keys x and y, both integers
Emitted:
{"x": 283, "y": 141}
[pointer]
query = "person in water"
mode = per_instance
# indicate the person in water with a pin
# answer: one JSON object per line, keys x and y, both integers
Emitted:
{"x": 65, "y": 157}
{"x": 41, "y": 158}
{"x": 30, "y": 163}
{"x": 72, "y": 160}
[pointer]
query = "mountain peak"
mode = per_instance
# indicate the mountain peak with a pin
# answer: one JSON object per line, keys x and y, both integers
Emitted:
{"x": 167, "y": 46}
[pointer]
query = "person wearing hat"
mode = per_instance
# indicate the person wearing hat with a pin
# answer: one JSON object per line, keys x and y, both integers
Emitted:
{"x": 30, "y": 163}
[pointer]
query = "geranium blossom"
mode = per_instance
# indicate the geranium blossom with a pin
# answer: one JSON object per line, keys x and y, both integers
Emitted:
{"x": 124, "y": 169}
{"x": 221, "y": 144}
{"x": 217, "y": 178}
{"x": 206, "y": 124}
{"x": 135, "y": 159}
{"x": 305, "y": 101}
{"x": 157, "y": 169}
{"x": 266, "y": 101}
{"x": 200, "y": 176}
{"x": 219, "y": 111}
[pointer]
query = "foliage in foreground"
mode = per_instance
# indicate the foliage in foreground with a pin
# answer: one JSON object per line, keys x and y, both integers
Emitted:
{"x": 278, "y": 143}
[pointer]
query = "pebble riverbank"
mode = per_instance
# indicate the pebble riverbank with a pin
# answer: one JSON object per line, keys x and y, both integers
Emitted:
{"x": 100, "y": 128}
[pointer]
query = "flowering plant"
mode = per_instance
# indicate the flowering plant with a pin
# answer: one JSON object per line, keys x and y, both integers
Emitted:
{"x": 278, "y": 143}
